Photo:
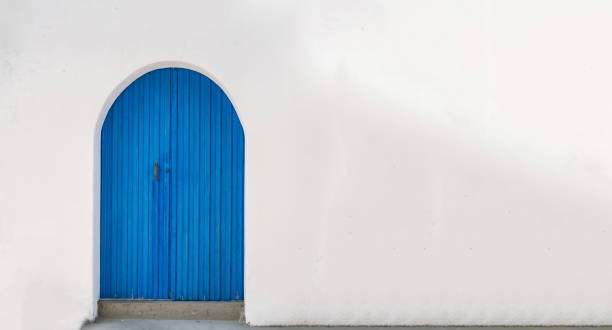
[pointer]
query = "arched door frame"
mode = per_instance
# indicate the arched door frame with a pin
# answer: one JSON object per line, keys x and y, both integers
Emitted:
{"x": 97, "y": 157}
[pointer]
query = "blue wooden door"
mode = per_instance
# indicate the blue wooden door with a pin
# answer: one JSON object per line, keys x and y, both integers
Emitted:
{"x": 172, "y": 187}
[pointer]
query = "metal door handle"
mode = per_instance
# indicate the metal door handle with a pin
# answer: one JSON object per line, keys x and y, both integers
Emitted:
{"x": 155, "y": 171}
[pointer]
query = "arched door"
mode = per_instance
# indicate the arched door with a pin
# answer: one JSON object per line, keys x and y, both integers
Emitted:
{"x": 172, "y": 187}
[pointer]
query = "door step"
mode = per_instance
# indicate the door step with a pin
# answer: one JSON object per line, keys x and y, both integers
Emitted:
{"x": 171, "y": 310}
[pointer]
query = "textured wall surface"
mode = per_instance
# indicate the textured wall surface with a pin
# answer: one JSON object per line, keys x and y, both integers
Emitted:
{"x": 423, "y": 162}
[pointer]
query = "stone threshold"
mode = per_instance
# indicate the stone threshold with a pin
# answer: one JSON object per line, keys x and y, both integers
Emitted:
{"x": 171, "y": 310}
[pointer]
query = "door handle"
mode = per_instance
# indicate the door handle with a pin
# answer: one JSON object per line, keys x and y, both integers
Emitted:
{"x": 155, "y": 171}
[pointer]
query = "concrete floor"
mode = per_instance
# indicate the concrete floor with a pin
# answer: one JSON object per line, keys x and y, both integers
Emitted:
{"x": 116, "y": 324}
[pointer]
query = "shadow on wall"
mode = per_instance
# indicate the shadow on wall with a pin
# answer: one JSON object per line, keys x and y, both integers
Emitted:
{"x": 40, "y": 304}
{"x": 413, "y": 184}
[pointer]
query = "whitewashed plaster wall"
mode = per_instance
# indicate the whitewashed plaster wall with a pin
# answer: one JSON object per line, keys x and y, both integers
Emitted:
{"x": 408, "y": 162}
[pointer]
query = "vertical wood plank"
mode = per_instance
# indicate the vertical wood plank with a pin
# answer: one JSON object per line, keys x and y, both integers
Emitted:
{"x": 173, "y": 189}
{"x": 204, "y": 261}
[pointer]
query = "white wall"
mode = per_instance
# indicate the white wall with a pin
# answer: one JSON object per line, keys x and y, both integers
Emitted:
{"x": 423, "y": 162}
